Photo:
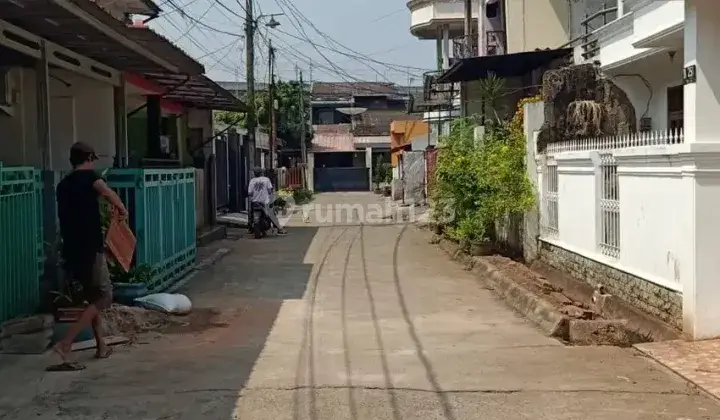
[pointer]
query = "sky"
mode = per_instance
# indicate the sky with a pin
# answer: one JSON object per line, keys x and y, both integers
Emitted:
{"x": 309, "y": 31}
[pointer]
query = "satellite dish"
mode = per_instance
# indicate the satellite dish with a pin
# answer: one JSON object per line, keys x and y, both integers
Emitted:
{"x": 352, "y": 111}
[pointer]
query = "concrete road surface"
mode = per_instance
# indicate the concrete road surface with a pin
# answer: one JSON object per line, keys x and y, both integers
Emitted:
{"x": 351, "y": 322}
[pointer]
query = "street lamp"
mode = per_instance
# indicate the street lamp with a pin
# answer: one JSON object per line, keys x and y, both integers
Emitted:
{"x": 272, "y": 24}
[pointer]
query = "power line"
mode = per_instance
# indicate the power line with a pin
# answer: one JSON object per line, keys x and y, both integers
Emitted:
{"x": 195, "y": 22}
{"x": 334, "y": 70}
{"x": 301, "y": 57}
{"x": 385, "y": 16}
{"x": 198, "y": 22}
{"x": 219, "y": 60}
{"x": 362, "y": 58}
{"x": 197, "y": 43}
{"x": 307, "y": 38}
{"x": 300, "y": 29}
{"x": 174, "y": 10}
{"x": 333, "y": 41}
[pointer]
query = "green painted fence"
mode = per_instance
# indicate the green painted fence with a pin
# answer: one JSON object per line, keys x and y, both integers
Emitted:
{"x": 162, "y": 215}
{"x": 21, "y": 240}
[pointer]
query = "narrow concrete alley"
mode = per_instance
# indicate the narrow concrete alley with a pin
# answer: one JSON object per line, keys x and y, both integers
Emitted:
{"x": 357, "y": 322}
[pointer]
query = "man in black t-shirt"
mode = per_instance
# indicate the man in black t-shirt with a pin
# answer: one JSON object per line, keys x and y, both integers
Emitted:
{"x": 83, "y": 248}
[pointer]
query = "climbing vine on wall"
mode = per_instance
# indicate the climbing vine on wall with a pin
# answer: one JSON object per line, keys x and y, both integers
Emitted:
{"x": 479, "y": 182}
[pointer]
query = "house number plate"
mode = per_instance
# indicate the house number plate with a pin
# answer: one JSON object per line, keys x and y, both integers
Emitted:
{"x": 690, "y": 74}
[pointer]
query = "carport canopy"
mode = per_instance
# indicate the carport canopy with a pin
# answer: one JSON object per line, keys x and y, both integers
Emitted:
{"x": 196, "y": 91}
{"x": 505, "y": 65}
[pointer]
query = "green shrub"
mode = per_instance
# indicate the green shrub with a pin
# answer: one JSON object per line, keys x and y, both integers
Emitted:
{"x": 480, "y": 182}
{"x": 302, "y": 196}
{"x": 142, "y": 273}
{"x": 382, "y": 173}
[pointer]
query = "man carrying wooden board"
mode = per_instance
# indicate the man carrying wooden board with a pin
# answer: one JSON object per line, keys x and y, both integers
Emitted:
{"x": 83, "y": 250}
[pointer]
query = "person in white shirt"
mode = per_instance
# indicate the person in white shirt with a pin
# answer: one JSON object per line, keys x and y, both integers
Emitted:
{"x": 261, "y": 191}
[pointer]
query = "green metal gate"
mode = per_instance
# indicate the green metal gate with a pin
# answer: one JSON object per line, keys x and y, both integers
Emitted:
{"x": 21, "y": 241}
{"x": 162, "y": 215}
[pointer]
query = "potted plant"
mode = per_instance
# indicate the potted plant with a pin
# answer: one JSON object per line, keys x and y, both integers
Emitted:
{"x": 130, "y": 285}
{"x": 69, "y": 305}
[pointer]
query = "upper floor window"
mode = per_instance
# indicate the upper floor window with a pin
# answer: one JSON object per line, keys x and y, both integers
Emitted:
{"x": 492, "y": 9}
{"x": 326, "y": 116}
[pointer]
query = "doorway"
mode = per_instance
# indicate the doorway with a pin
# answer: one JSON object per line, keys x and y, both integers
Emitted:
{"x": 675, "y": 105}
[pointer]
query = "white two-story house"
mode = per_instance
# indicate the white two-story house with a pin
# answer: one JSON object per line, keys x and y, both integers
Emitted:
{"x": 654, "y": 193}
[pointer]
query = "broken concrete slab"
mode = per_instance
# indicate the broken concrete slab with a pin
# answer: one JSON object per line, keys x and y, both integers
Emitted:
{"x": 601, "y": 332}
{"x": 26, "y": 325}
{"x": 537, "y": 310}
{"x": 33, "y": 343}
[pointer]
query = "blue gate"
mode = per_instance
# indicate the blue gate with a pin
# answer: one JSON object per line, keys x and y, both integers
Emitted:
{"x": 341, "y": 179}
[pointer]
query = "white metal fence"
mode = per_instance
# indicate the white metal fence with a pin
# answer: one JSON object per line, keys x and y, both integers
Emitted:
{"x": 550, "y": 200}
{"x": 654, "y": 138}
{"x": 609, "y": 204}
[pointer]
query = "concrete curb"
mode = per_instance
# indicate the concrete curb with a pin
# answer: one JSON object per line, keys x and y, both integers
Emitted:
{"x": 543, "y": 314}
{"x": 213, "y": 234}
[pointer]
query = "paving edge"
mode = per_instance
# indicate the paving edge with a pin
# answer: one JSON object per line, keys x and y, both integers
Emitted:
{"x": 203, "y": 264}
{"x": 541, "y": 313}
{"x": 692, "y": 382}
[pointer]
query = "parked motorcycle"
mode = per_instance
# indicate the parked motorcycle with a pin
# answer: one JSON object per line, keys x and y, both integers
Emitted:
{"x": 261, "y": 223}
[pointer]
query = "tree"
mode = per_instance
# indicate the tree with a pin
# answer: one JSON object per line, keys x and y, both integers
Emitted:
{"x": 289, "y": 118}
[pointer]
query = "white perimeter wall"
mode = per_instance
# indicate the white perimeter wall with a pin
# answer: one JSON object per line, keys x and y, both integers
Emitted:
{"x": 653, "y": 198}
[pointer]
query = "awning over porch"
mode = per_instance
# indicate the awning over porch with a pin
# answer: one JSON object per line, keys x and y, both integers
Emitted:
{"x": 196, "y": 91}
{"x": 506, "y": 65}
{"x": 83, "y": 27}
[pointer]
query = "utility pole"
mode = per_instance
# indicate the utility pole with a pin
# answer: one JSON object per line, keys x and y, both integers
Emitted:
{"x": 250, "y": 123}
{"x": 303, "y": 142}
{"x": 273, "y": 114}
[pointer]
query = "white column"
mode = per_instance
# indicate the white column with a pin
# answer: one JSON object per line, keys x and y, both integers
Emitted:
{"x": 446, "y": 46}
{"x": 701, "y": 313}
{"x": 369, "y": 165}
{"x": 620, "y": 8}
{"x": 481, "y": 28}
{"x": 700, "y": 285}
{"x": 310, "y": 171}
{"x": 702, "y": 98}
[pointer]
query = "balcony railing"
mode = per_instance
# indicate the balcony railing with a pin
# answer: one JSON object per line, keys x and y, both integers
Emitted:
{"x": 465, "y": 46}
{"x": 495, "y": 43}
{"x": 587, "y": 42}
{"x": 434, "y": 92}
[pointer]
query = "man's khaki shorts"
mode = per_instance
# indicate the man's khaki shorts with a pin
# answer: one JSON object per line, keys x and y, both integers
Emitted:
{"x": 95, "y": 280}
